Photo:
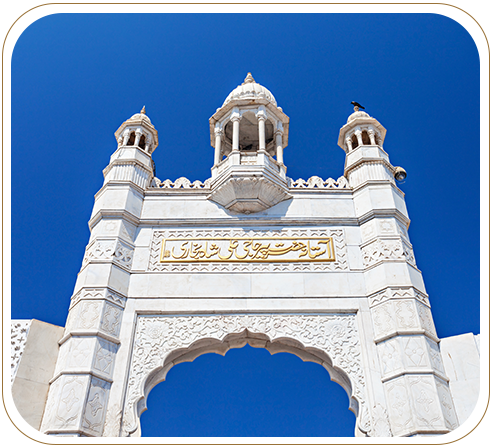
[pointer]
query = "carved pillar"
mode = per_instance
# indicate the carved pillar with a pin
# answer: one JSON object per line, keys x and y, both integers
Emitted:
{"x": 279, "y": 149}
{"x": 359, "y": 137}
{"x": 371, "y": 134}
{"x": 148, "y": 143}
{"x": 138, "y": 134}
{"x": 235, "y": 118}
{"x": 349, "y": 144}
{"x": 126, "y": 136}
{"x": 261, "y": 117}
{"x": 218, "y": 132}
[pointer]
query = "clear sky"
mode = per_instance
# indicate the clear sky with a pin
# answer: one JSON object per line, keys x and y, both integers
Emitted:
{"x": 76, "y": 78}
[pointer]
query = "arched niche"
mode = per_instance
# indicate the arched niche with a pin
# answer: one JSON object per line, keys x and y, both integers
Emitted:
{"x": 164, "y": 341}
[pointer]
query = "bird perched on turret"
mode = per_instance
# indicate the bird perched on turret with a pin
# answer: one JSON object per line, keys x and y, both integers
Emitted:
{"x": 357, "y": 105}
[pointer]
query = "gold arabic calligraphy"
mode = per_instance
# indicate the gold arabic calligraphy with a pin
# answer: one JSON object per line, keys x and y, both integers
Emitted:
{"x": 248, "y": 250}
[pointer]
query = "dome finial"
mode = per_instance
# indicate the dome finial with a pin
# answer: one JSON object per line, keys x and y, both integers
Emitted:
{"x": 143, "y": 110}
{"x": 249, "y": 79}
{"x": 357, "y": 106}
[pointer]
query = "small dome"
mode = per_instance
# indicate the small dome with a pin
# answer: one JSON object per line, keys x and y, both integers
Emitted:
{"x": 358, "y": 114}
{"x": 250, "y": 90}
{"x": 141, "y": 116}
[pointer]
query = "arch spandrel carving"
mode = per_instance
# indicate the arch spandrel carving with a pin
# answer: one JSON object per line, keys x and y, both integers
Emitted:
{"x": 163, "y": 341}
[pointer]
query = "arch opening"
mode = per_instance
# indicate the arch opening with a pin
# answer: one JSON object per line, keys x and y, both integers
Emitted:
{"x": 131, "y": 140}
{"x": 249, "y": 137}
{"x": 142, "y": 142}
{"x": 281, "y": 345}
{"x": 354, "y": 141}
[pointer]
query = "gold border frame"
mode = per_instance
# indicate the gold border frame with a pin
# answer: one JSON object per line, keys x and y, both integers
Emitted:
{"x": 163, "y": 260}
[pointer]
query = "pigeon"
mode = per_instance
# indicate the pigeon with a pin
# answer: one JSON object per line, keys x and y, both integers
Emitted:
{"x": 354, "y": 103}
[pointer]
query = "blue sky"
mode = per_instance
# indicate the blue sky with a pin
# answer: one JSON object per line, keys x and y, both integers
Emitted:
{"x": 76, "y": 78}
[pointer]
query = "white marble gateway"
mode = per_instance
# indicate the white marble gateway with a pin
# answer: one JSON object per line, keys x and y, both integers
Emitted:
{"x": 321, "y": 268}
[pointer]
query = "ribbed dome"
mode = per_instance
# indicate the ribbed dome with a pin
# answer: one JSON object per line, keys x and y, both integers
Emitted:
{"x": 250, "y": 90}
{"x": 358, "y": 114}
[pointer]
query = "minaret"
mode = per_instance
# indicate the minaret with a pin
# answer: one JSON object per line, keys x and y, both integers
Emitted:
{"x": 79, "y": 391}
{"x": 379, "y": 203}
{"x": 249, "y": 133}
{"x": 414, "y": 386}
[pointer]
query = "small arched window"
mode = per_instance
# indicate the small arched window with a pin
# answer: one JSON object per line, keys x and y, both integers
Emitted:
{"x": 142, "y": 142}
{"x": 131, "y": 140}
{"x": 365, "y": 137}
{"x": 354, "y": 141}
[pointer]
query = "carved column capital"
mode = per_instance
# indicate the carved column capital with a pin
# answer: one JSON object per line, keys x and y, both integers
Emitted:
{"x": 261, "y": 116}
{"x": 235, "y": 115}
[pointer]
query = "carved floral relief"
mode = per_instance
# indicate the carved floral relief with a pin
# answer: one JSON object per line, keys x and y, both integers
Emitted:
{"x": 158, "y": 336}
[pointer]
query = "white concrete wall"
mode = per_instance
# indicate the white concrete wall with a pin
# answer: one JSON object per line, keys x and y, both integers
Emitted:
{"x": 460, "y": 355}
{"x": 35, "y": 369}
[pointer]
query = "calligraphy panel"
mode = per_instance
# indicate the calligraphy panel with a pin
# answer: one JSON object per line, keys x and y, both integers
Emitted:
{"x": 248, "y": 249}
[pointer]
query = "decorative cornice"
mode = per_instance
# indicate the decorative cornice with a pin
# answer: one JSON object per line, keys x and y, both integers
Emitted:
{"x": 313, "y": 182}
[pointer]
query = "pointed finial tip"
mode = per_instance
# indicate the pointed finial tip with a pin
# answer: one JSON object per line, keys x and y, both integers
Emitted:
{"x": 143, "y": 110}
{"x": 248, "y": 79}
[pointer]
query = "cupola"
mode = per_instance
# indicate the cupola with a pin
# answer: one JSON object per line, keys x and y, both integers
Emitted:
{"x": 362, "y": 139}
{"x": 361, "y": 129}
{"x": 249, "y": 133}
{"x": 131, "y": 164}
{"x": 138, "y": 131}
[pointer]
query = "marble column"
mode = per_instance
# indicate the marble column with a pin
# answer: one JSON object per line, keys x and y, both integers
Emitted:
{"x": 218, "y": 132}
{"x": 279, "y": 150}
{"x": 359, "y": 137}
{"x": 235, "y": 118}
{"x": 138, "y": 134}
{"x": 261, "y": 131}
{"x": 349, "y": 144}
{"x": 126, "y": 136}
